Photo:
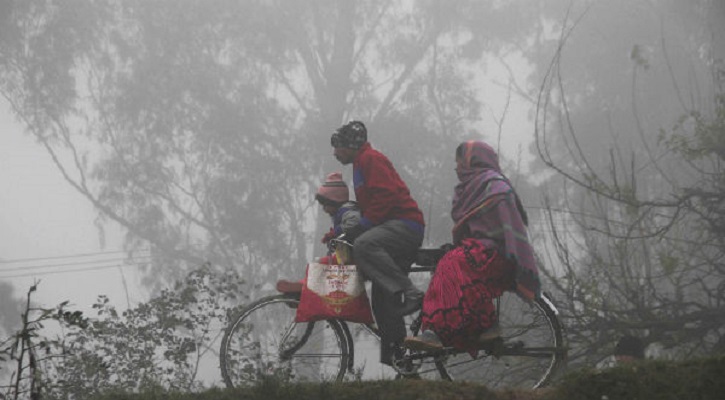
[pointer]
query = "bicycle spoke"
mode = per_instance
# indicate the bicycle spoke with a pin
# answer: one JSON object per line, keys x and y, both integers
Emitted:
{"x": 297, "y": 355}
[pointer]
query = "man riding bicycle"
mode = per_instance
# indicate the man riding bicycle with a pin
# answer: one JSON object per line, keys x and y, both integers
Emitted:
{"x": 387, "y": 236}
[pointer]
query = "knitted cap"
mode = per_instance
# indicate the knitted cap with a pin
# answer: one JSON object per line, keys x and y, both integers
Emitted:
{"x": 334, "y": 189}
{"x": 351, "y": 135}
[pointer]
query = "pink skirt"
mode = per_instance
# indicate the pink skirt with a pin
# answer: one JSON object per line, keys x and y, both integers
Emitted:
{"x": 458, "y": 305}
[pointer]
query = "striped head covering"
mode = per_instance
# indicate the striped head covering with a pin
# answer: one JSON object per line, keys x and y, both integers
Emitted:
{"x": 486, "y": 207}
{"x": 333, "y": 190}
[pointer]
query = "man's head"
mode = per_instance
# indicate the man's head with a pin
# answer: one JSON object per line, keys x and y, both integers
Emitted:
{"x": 333, "y": 193}
{"x": 347, "y": 141}
{"x": 629, "y": 348}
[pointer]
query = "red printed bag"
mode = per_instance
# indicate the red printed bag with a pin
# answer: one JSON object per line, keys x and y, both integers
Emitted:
{"x": 333, "y": 291}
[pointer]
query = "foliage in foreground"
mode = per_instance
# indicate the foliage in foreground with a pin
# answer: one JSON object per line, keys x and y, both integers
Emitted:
{"x": 157, "y": 344}
{"x": 661, "y": 380}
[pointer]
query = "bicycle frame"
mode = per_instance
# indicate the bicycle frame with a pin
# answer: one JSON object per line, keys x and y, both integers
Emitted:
{"x": 528, "y": 355}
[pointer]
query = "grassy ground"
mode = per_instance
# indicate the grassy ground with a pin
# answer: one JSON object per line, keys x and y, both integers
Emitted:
{"x": 649, "y": 380}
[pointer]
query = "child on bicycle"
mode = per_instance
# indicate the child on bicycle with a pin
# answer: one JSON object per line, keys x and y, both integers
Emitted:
{"x": 492, "y": 254}
{"x": 334, "y": 197}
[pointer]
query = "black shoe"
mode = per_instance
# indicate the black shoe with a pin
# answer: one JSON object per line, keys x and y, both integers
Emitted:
{"x": 412, "y": 302}
{"x": 391, "y": 354}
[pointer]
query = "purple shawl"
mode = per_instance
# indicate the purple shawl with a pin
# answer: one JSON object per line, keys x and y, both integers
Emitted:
{"x": 486, "y": 207}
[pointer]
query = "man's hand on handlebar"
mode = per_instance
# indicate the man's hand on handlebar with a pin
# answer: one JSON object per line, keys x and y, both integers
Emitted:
{"x": 333, "y": 242}
{"x": 353, "y": 233}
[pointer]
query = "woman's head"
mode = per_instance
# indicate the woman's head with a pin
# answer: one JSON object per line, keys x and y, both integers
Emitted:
{"x": 475, "y": 155}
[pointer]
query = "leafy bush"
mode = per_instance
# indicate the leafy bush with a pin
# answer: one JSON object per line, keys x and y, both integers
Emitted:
{"x": 157, "y": 345}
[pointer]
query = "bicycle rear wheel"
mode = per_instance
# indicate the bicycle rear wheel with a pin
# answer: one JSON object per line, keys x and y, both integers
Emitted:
{"x": 263, "y": 341}
{"x": 530, "y": 352}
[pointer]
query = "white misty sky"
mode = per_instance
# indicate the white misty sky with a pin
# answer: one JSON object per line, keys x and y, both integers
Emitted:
{"x": 42, "y": 217}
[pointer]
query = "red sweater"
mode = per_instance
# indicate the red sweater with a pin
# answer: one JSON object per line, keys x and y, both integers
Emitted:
{"x": 379, "y": 191}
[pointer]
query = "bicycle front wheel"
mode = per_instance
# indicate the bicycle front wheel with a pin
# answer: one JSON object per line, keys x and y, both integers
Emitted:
{"x": 531, "y": 350}
{"x": 264, "y": 342}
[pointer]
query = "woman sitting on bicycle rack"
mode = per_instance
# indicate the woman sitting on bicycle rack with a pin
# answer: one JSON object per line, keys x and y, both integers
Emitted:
{"x": 492, "y": 254}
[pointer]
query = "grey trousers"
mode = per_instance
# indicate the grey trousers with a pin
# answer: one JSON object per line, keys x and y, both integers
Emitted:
{"x": 384, "y": 255}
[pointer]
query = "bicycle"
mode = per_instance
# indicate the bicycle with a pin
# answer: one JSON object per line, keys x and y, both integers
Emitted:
{"x": 263, "y": 341}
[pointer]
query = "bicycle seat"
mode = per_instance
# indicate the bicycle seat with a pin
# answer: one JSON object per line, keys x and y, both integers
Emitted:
{"x": 429, "y": 257}
{"x": 285, "y": 286}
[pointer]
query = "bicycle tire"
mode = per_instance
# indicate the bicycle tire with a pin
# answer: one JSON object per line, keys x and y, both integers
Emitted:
{"x": 264, "y": 342}
{"x": 528, "y": 355}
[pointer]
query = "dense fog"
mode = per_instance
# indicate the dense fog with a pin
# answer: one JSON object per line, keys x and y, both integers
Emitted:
{"x": 202, "y": 129}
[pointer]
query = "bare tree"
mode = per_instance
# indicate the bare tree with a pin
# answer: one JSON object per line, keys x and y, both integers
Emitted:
{"x": 636, "y": 245}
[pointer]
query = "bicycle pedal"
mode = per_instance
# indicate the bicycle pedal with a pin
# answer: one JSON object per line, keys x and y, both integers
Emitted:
{"x": 413, "y": 376}
{"x": 405, "y": 367}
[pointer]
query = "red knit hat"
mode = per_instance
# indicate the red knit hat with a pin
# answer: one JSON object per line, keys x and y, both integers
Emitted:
{"x": 334, "y": 189}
